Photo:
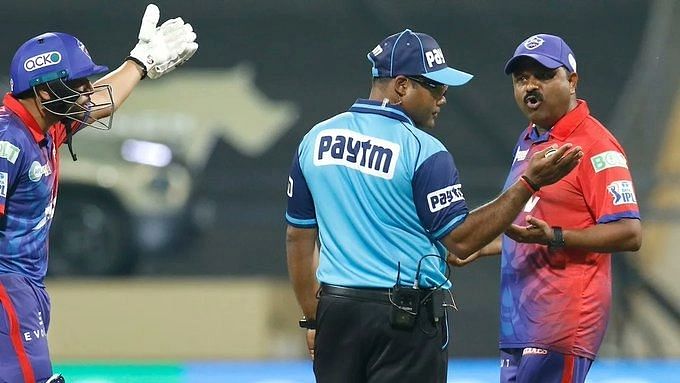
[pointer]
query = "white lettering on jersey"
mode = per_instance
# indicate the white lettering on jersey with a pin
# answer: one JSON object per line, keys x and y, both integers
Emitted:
{"x": 36, "y": 333}
{"x": 531, "y": 203}
{"x": 369, "y": 155}
{"x": 534, "y": 351}
{"x": 9, "y": 151}
{"x": 622, "y": 192}
{"x": 4, "y": 181}
{"x": 289, "y": 191}
{"x": 49, "y": 213}
{"x": 609, "y": 159}
{"x": 435, "y": 56}
{"x": 520, "y": 155}
{"x": 444, "y": 197}
{"x": 37, "y": 171}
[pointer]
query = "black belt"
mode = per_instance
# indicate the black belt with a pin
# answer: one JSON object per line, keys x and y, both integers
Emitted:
{"x": 363, "y": 294}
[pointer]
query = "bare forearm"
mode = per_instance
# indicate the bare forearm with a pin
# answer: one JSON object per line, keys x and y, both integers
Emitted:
{"x": 302, "y": 264}
{"x": 487, "y": 222}
{"x": 122, "y": 81}
{"x": 622, "y": 235}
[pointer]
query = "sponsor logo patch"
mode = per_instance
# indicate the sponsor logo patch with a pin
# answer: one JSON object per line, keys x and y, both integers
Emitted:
{"x": 37, "y": 171}
{"x": 377, "y": 50}
{"x": 42, "y": 60}
{"x": 608, "y": 159}
{"x": 369, "y": 155}
{"x": 442, "y": 198}
{"x": 9, "y": 151}
{"x": 622, "y": 192}
{"x": 4, "y": 180}
{"x": 534, "y": 351}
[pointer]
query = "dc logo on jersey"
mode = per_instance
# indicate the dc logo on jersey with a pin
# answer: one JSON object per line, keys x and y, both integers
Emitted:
{"x": 622, "y": 192}
{"x": 533, "y": 42}
{"x": 3, "y": 184}
{"x": 42, "y": 60}
{"x": 369, "y": 155}
{"x": 442, "y": 198}
{"x": 37, "y": 171}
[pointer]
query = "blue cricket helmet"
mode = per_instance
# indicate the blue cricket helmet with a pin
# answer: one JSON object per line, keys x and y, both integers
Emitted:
{"x": 48, "y": 57}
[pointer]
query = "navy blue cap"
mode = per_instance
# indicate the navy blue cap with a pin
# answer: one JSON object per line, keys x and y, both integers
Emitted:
{"x": 414, "y": 54}
{"x": 550, "y": 51}
{"x": 48, "y": 57}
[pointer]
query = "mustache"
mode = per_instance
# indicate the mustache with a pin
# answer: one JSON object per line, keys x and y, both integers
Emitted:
{"x": 536, "y": 95}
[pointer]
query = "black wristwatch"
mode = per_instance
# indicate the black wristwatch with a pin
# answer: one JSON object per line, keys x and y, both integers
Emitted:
{"x": 309, "y": 324}
{"x": 557, "y": 242}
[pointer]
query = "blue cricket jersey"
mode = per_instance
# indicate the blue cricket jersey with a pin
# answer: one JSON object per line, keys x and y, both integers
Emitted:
{"x": 381, "y": 192}
{"x": 28, "y": 190}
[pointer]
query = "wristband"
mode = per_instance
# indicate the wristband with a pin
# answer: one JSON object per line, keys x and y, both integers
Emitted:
{"x": 139, "y": 63}
{"x": 557, "y": 242}
{"x": 533, "y": 188}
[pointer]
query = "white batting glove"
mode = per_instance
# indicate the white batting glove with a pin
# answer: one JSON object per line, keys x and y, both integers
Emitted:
{"x": 161, "y": 49}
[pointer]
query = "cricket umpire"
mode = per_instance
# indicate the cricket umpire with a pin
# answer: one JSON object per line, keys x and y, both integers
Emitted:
{"x": 383, "y": 200}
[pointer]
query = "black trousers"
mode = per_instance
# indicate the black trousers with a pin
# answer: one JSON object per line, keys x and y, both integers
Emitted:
{"x": 355, "y": 343}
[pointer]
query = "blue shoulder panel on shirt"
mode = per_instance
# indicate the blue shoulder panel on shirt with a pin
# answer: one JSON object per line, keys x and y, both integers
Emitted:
{"x": 438, "y": 196}
{"x": 300, "y": 211}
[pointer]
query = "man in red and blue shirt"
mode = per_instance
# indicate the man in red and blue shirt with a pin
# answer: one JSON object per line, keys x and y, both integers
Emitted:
{"x": 556, "y": 257}
{"x": 50, "y": 99}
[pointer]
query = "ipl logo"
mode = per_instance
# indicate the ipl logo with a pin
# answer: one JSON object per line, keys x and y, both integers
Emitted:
{"x": 533, "y": 42}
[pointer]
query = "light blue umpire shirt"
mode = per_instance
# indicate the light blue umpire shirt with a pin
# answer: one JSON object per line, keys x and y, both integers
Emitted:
{"x": 381, "y": 192}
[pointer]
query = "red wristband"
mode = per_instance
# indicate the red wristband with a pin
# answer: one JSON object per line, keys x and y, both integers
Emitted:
{"x": 528, "y": 184}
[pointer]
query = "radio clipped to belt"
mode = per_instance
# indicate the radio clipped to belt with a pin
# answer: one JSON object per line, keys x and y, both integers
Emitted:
{"x": 408, "y": 302}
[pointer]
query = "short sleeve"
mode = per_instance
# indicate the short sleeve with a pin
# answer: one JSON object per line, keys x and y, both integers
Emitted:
{"x": 300, "y": 211}
{"x": 607, "y": 184}
{"x": 438, "y": 195}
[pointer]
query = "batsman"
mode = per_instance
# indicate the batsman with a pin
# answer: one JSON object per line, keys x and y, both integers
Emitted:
{"x": 51, "y": 98}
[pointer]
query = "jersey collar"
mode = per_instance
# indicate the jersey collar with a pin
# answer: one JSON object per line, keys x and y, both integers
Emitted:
{"x": 17, "y": 108}
{"x": 376, "y": 107}
{"x": 564, "y": 127}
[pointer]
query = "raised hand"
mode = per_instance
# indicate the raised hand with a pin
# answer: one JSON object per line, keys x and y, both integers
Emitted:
{"x": 161, "y": 49}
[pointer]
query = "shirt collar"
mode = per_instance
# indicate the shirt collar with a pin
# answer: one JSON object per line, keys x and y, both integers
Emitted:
{"x": 376, "y": 107}
{"x": 564, "y": 127}
{"x": 25, "y": 116}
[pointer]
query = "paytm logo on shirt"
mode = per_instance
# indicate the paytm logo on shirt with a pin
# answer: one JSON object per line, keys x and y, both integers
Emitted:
{"x": 622, "y": 192}
{"x": 442, "y": 198}
{"x": 369, "y": 155}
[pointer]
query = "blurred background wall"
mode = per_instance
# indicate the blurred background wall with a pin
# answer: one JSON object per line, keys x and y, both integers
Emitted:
{"x": 173, "y": 220}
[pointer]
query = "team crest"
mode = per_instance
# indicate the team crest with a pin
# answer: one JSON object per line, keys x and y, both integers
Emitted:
{"x": 533, "y": 42}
